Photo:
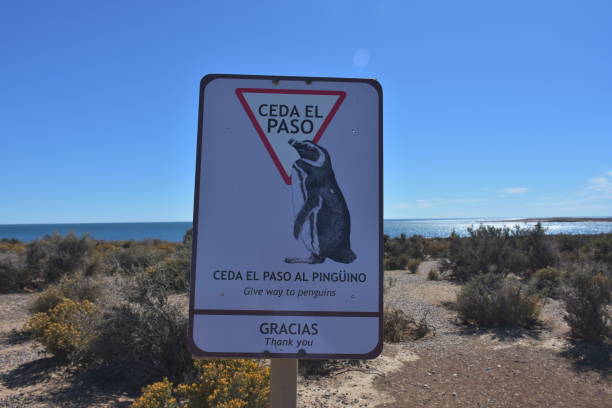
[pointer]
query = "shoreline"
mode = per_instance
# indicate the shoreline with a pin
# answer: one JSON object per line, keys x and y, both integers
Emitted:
{"x": 560, "y": 219}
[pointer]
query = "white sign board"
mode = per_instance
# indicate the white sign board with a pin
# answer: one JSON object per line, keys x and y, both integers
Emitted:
{"x": 287, "y": 238}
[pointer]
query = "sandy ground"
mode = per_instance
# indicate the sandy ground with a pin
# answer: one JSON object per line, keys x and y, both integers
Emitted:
{"x": 462, "y": 367}
{"x": 455, "y": 366}
{"x": 31, "y": 378}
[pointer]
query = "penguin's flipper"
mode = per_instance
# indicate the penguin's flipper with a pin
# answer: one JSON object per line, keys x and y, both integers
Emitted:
{"x": 302, "y": 215}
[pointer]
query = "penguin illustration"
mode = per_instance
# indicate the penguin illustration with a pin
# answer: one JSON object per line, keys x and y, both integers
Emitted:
{"x": 322, "y": 219}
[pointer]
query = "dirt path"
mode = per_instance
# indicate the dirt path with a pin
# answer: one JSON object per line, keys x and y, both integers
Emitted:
{"x": 479, "y": 376}
{"x": 459, "y": 367}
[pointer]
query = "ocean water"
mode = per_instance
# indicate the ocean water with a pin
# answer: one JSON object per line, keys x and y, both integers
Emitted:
{"x": 169, "y": 231}
{"x": 174, "y": 231}
{"x": 437, "y": 227}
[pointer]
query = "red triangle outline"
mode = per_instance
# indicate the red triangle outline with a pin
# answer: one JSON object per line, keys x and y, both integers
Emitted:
{"x": 239, "y": 93}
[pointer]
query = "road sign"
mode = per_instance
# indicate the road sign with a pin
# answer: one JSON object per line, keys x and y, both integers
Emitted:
{"x": 287, "y": 266}
{"x": 303, "y": 114}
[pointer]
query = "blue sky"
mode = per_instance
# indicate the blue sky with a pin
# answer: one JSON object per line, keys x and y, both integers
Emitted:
{"x": 491, "y": 108}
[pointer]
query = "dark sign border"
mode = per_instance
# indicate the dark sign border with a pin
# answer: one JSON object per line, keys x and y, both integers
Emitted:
{"x": 195, "y": 350}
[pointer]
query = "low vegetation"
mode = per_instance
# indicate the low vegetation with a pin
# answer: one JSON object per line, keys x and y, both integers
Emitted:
{"x": 45, "y": 261}
{"x": 142, "y": 337}
{"x": 492, "y": 299}
{"x": 219, "y": 384}
{"x": 119, "y": 308}
{"x": 12, "y": 265}
{"x": 507, "y": 275}
{"x": 400, "y": 251}
{"x": 498, "y": 251}
{"x": 400, "y": 326}
{"x": 433, "y": 275}
{"x": 413, "y": 265}
{"x": 547, "y": 282}
{"x": 588, "y": 296}
{"x": 136, "y": 335}
{"x": 74, "y": 286}
{"x": 66, "y": 330}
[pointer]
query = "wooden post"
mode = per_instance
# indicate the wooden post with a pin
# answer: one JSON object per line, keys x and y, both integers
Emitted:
{"x": 283, "y": 382}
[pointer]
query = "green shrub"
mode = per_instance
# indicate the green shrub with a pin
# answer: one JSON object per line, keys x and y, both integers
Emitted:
{"x": 46, "y": 300}
{"x": 491, "y": 299}
{"x": 135, "y": 257}
{"x": 143, "y": 338}
{"x": 55, "y": 255}
{"x": 569, "y": 247}
{"x": 437, "y": 248}
{"x": 396, "y": 263}
{"x": 65, "y": 330}
{"x": 173, "y": 272}
{"x": 220, "y": 384}
{"x": 398, "y": 251}
{"x": 569, "y": 242}
{"x": 47, "y": 260}
{"x": 433, "y": 275}
{"x": 413, "y": 265}
{"x": 137, "y": 335}
{"x": 13, "y": 273}
{"x": 536, "y": 246}
{"x": 602, "y": 249}
{"x": 588, "y": 296}
{"x": 412, "y": 246}
{"x": 546, "y": 281}
{"x": 498, "y": 250}
{"x": 398, "y": 326}
{"x": 188, "y": 237}
{"x": 75, "y": 286}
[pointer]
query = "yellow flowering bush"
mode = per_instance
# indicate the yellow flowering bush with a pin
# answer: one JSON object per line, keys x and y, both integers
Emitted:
{"x": 169, "y": 247}
{"x": 157, "y": 395}
{"x": 63, "y": 329}
{"x": 16, "y": 247}
{"x": 220, "y": 384}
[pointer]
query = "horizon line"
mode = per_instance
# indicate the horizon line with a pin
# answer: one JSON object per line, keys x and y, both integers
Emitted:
{"x": 501, "y": 218}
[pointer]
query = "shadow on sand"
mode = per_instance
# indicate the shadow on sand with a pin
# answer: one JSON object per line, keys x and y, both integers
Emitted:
{"x": 590, "y": 357}
{"x": 73, "y": 390}
{"x": 504, "y": 333}
{"x": 15, "y": 337}
{"x": 30, "y": 373}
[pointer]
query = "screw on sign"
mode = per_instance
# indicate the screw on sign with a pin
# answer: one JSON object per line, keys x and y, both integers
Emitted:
{"x": 287, "y": 260}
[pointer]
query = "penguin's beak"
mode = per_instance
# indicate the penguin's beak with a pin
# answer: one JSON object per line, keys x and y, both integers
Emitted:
{"x": 297, "y": 145}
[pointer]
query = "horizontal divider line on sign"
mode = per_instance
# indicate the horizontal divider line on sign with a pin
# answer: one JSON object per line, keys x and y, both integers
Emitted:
{"x": 283, "y": 313}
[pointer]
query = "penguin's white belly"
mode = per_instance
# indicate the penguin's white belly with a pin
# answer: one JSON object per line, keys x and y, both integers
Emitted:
{"x": 309, "y": 234}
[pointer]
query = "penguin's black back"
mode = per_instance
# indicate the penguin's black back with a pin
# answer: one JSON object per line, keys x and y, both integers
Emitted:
{"x": 333, "y": 218}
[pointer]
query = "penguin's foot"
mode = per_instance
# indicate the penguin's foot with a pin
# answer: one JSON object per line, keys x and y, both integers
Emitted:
{"x": 314, "y": 259}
